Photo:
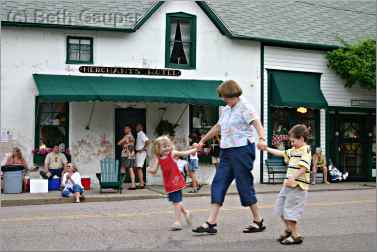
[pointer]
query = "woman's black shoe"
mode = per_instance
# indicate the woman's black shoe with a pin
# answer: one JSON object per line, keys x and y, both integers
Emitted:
{"x": 208, "y": 228}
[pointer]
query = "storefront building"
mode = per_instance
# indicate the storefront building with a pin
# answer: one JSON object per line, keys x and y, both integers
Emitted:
{"x": 299, "y": 88}
{"x": 79, "y": 81}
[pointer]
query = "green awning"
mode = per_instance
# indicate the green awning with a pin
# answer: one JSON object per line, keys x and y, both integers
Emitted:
{"x": 296, "y": 89}
{"x": 65, "y": 88}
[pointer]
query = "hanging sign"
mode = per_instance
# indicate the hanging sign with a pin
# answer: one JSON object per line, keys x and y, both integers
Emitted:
{"x": 128, "y": 70}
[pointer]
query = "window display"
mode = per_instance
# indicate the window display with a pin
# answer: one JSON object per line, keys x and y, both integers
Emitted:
{"x": 282, "y": 119}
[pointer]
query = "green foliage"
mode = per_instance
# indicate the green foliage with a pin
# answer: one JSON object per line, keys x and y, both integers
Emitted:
{"x": 165, "y": 128}
{"x": 355, "y": 63}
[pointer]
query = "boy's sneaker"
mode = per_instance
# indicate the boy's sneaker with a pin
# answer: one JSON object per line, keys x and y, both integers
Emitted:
{"x": 188, "y": 218}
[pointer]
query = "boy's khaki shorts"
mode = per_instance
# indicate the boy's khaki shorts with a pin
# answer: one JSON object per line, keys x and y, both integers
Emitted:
{"x": 290, "y": 203}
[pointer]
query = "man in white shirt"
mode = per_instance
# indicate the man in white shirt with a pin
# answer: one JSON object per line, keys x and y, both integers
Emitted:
{"x": 142, "y": 142}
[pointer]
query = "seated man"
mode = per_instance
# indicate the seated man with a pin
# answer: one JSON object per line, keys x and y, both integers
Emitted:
{"x": 54, "y": 164}
{"x": 319, "y": 162}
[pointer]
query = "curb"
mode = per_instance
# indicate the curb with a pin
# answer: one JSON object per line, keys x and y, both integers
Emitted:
{"x": 158, "y": 195}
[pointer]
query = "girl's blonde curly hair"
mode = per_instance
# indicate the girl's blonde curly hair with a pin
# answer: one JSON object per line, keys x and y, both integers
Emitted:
{"x": 156, "y": 145}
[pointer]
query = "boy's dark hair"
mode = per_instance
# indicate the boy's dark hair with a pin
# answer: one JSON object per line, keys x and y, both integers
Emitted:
{"x": 299, "y": 130}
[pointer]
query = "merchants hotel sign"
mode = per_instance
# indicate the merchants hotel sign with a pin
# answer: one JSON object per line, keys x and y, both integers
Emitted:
{"x": 127, "y": 70}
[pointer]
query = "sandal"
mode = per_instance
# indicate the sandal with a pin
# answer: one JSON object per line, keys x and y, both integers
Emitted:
{"x": 292, "y": 240}
{"x": 255, "y": 227}
{"x": 208, "y": 228}
{"x": 284, "y": 236}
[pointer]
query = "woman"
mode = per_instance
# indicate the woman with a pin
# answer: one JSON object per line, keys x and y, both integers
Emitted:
{"x": 71, "y": 183}
{"x": 16, "y": 158}
{"x": 237, "y": 156}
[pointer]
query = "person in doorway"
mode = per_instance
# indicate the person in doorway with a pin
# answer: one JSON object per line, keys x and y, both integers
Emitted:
{"x": 54, "y": 164}
{"x": 182, "y": 166}
{"x": 236, "y": 126}
{"x": 215, "y": 151}
{"x": 71, "y": 183}
{"x": 319, "y": 163}
{"x": 128, "y": 155}
{"x": 163, "y": 157}
{"x": 193, "y": 172}
{"x": 292, "y": 196}
{"x": 142, "y": 142}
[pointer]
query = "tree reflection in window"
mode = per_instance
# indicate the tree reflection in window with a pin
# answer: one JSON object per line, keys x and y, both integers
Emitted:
{"x": 180, "y": 41}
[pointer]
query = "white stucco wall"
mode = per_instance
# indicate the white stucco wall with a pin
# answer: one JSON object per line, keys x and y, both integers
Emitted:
{"x": 34, "y": 50}
{"x": 332, "y": 85}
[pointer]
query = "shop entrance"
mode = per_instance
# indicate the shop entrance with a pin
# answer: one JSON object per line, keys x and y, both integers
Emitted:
{"x": 353, "y": 146}
{"x": 128, "y": 117}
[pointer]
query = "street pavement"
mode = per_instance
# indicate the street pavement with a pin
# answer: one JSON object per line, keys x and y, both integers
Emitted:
{"x": 333, "y": 221}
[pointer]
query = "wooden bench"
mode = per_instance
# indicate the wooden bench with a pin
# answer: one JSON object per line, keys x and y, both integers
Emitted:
{"x": 275, "y": 166}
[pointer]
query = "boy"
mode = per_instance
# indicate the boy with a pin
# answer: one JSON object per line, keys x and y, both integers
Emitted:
{"x": 292, "y": 196}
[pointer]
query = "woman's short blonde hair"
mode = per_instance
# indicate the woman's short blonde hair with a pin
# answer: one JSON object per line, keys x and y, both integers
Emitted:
{"x": 74, "y": 167}
{"x": 157, "y": 143}
{"x": 229, "y": 89}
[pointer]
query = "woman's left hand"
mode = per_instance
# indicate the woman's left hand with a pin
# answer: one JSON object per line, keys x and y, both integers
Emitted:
{"x": 262, "y": 145}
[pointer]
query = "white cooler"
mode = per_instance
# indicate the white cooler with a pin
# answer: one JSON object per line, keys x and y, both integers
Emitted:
{"x": 38, "y": 185}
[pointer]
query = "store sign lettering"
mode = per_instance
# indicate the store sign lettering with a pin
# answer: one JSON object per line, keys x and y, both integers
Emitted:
{"x": 127, "y": 70}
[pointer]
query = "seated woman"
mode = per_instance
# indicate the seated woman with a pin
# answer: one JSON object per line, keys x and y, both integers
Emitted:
{"x": 319, "y": 162}
{"x": 16, "y": 158}
{"x": 71, "y": 183}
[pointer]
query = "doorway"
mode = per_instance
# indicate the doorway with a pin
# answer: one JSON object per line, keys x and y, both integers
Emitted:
{"x": 351, "y": 148}
{"x": 128, "y": 117}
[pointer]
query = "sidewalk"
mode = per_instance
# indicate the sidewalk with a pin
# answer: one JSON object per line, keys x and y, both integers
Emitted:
{"x": 155, "y": 192}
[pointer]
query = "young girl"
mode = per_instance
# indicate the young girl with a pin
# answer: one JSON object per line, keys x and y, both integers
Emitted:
{"x": 292, "y": 197}
{"x": 163, "y": 156}
{"x": 71, "y": 183}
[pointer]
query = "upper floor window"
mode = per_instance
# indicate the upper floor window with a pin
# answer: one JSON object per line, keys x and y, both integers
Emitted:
{"x": 180, "y": 50}
{"x": 79, "y": 50}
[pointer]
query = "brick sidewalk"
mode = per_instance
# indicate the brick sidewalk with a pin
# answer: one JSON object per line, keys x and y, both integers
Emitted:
{"x": 155, "y": 192}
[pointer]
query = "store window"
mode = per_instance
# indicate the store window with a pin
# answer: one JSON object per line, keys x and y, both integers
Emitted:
{"x": 51, "y": 125}
{"x": 79, "y": 50}
{"x": 202, "y": 118}
{"x": 180, "y": 51}
{"x": 282, "y": 119}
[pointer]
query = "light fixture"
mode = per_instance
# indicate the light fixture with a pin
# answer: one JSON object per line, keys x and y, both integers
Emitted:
{"x": 302, "y": 110}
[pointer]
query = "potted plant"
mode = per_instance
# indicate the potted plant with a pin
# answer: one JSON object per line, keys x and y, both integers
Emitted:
{"x": 164, "y": 127}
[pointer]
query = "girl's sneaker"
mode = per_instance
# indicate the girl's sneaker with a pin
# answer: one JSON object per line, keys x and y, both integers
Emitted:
{"x": 176, "y": 227}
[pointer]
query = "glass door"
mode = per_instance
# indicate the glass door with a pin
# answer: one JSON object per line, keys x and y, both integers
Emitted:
{"x": 352, "y": 146}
